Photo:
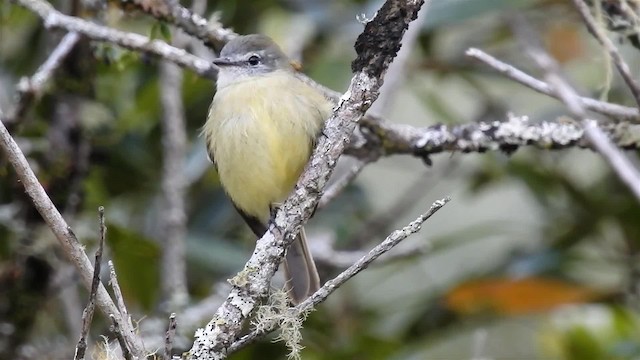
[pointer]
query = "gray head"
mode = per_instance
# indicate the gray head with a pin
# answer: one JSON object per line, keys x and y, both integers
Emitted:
{"x": 249, "y": 55}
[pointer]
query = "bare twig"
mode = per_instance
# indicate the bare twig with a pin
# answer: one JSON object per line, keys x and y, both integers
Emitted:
{"x": 332, "y": 191}
{"x": 115, "y": 328}
{"x": 376, "y": 48}
{"x": 389, "y": 243}
{"x": 168, "y": 339}
{"x": 342, "y": 259}
{"x": 54, "y": 19}
{"x": 211, "y": 32}
{"x": 87, "y": 314}
{"x": 30, "y": 88}
{"x": 117, "y": 293}
{"x": 330, "y": 286}
{"x": 604, "y": 40}
{"x": 602, "y": 107}
{"x": 67, "y": 239}
{"x": 623, "y": 167}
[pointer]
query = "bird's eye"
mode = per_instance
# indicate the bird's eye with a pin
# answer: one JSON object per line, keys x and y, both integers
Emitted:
{"x": 254, "y": 60}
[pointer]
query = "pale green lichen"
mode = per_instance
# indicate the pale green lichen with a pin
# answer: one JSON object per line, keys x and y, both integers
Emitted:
{"x": 277, "y": 313}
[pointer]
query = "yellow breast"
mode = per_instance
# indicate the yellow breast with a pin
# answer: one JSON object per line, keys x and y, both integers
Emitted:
{"x": 260, "y": 133}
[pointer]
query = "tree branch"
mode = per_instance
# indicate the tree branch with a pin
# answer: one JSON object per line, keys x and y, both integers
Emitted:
{"x": 508, "y": 135}
{"x": 604, "y": 40}
{"x": 54, "y": 19}
{"x": 30, "y": 88}
{"x": 602, "y": 107}
{"x": 622, "y": 166}
{"x": 67, "y": 239}
{"x": 376, "y": 47}
{"x": 211, "y": 32}
{"x": 330, "y": 286}
{"x": 332, "y": 191}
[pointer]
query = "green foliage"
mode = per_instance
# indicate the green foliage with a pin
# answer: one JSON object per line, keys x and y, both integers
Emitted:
{"x": 136, "y": 259}
{"x": 161, "y": 28}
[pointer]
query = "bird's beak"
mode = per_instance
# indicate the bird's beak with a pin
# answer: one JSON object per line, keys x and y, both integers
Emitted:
{"x": 221, "y": 62}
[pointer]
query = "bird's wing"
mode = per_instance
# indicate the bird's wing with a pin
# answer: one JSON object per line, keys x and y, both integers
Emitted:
{"x": 256, "y": 226}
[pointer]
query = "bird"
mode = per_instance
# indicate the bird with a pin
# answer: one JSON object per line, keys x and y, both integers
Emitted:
{"x": 260, "y": 131}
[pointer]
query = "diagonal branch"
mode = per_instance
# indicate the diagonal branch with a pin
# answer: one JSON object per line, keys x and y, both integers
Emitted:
{"x": 67, "y": 239}
{"x": 602, "y": 38}
{"x": 376, "y": 47}
{"x": 602, "y": 107}
{"x": 30, "y": 88}
{"x": 622, "y": 166}
{"x": 330, "y": 286}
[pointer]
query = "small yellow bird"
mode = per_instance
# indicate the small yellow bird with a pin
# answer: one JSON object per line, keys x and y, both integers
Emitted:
{"x": 260, "y": 131}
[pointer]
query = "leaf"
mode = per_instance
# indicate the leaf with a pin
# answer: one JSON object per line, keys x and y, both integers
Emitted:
{"x": 515, "y": 296}
{"x": 165, "y": 31}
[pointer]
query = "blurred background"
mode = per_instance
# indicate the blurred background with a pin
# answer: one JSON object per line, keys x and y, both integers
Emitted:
{"x": 535, "y": 257}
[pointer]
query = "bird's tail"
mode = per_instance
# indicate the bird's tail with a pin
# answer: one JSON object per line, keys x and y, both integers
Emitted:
{"x": 302, "y": 278}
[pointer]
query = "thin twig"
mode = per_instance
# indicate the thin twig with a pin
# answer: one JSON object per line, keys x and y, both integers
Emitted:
{"x": 602, "y": 107}
{"x": 87, "y": 314}
{"x": 65, "y": 236}
{"x": 30, "y": 88}
{"x": 604, "y": 40}
{"x": 115, "y": 328}
{"x": 330, "y": 286}
{"x": 342, "y": 259}
{"x": 623, "y": 167}
{"x": 168, "y": 339}
{"x": 117, "y": 293}
{"x": 380, "y": 223}
{"x": 335, "y": 189}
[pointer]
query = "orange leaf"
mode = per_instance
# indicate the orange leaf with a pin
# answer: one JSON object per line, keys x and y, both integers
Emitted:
{"x": 515, "y": 296}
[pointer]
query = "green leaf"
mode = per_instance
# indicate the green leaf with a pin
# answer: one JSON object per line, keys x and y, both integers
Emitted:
{"x": 165, "y": 31}
{"x": 160, "y": 29}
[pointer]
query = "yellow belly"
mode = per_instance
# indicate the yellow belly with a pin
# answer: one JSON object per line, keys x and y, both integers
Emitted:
{"x": 261, "y": 139}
